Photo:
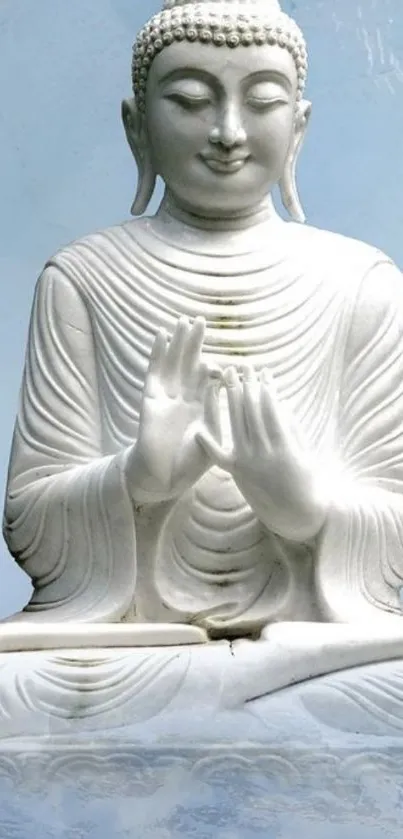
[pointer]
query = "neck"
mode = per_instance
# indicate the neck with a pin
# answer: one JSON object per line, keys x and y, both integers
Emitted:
{"x": 244, "y": 220}
{"x": 188, "y": 231}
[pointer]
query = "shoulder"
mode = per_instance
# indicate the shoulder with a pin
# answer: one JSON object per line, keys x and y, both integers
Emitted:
{"x": 333, "y": 251}
{"x": 377, "y": 318}
{"x": 86, "y": 261}
{"x": 363, "y": 274}
{"x": 367, "y": 283}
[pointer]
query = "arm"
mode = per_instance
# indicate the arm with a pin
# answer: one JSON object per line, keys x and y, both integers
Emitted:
{"x": 70, "y": 510}
{"x": 65, "y": 500}
{"x": 360, "y": 550}
{"x": 350, "y": 507}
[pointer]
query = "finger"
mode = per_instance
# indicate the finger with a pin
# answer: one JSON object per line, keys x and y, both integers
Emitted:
{"x": 221, "y": 457}
{"x": 191, "y": 357}
{"x": 212, "y": 408}
{"x": 252, "y": 404}
{"x": 157, "y": 357}
{"x": 201, "y": 382}
{"x": 235, "y": 405}
{"x": 174, "y": 354}
{"x": 271, "y": 408}
{"x": 215, "y": 373}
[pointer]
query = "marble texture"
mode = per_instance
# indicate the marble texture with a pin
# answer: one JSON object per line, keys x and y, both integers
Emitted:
{"x": 319, "y": 759}
{"x": 206, "y": 483}
{"x": 207, "y": 793}
{"x": 100, "y": 688}
{"x": 209, "y": 430}
{"x": 324, "y": 330}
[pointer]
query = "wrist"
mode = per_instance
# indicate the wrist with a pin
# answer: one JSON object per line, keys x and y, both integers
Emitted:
{"x": 307, "y": 529}
{"x": 143, "y": 488}
{"x": 294, "y": 522}
{"x": 306, "y": 526}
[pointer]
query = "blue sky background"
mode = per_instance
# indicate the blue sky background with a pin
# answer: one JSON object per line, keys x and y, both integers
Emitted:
{"x": 65, "y": 169}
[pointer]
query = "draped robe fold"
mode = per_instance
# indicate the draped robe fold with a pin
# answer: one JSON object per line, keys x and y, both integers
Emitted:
{"x": 325, "y": 315}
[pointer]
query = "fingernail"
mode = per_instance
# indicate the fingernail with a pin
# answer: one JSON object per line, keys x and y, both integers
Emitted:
{"x": 230, "y": 376}
{"x": 248, "y": 372}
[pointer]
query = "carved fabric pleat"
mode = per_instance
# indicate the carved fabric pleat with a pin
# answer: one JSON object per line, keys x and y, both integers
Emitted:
{"x": 208, "y": 559}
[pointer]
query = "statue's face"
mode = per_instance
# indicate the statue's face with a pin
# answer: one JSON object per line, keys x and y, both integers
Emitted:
{"x": 220, "y": 123}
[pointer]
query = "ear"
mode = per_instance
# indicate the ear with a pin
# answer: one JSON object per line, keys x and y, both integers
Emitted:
{"x": 302, "y": 116}
{"x": 288, "y": 183}
{"x": 136, "y": 135}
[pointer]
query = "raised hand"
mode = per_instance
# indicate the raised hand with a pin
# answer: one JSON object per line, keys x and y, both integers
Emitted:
{"x": 270, "y": 464}
{"x": 178, "y": 399}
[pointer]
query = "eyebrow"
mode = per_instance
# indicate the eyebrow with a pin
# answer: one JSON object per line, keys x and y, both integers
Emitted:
{"x": 271, "y": 75}
{"x": 187, "y": 72}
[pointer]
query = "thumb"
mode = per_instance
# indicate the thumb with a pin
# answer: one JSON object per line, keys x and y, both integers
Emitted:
{"x": 213, "y": 450}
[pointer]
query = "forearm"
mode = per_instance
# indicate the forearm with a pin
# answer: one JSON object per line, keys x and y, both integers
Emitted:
{"x": 62, "y": 529}
{"x": 359, "y": 562}
{"x": 296, "y": 522}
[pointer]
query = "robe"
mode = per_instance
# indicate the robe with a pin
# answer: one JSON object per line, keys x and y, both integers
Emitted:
{"x": 325, "y": 314}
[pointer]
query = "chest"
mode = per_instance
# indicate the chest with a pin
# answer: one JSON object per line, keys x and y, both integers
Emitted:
{"x": 298, "y": 337}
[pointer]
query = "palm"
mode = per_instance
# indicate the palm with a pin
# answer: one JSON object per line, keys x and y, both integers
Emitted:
{"x": 272, "y": 468}
{"x": 168, "y": 427}
{"x": 177, "y": 400}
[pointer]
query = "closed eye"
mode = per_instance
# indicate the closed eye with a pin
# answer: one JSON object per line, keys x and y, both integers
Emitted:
{"x": 189, "y": 103}
{"x": 260, "y": 104}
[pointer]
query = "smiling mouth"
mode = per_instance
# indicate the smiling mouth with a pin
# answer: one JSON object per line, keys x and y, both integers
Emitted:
{"x": 226, "y": 167}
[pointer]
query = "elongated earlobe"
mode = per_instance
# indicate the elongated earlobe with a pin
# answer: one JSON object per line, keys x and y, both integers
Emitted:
{"x": 289, "y": 192}
{"x": 136, "y": 135}
{"x": 288, "y": 183}
{"x": 145, "y": 187}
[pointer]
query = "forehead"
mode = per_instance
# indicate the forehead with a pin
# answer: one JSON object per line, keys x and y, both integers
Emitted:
{"x": 222, "y": 64}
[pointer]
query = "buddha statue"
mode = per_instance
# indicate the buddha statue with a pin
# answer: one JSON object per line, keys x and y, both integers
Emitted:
{"x": 210, "y": 428}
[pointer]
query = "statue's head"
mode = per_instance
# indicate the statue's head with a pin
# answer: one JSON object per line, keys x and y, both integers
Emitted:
{"x": 218, "y": 108}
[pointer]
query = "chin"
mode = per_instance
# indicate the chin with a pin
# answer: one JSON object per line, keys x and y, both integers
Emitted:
{"x": 235, "y": 200}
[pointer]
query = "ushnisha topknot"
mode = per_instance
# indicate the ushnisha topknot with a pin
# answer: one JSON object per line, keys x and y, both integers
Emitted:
{"x": 220, "y": 22}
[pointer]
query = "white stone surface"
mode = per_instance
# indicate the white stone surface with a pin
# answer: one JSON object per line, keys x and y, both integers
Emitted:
{"x": 209, "y": 445}
{"x": 16, "y": 637}
{"x": 209, "y": 430}
{"x": 210, "y": 554}
{"x": 131, "y": 759}
{"x": 98, "y": 688}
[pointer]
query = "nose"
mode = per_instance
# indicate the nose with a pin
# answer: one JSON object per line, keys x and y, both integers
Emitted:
{"x": 228, "y": 130}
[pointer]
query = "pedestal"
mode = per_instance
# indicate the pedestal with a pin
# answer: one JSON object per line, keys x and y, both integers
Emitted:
{"x": 165, "y": 743}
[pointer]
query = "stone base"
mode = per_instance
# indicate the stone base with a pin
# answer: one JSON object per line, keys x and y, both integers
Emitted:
{"x": 169, "y": 743}
{"x": 116, "y": 790}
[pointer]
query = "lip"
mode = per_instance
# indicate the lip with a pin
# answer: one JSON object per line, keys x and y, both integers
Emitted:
{"x": 226, "y": 167}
